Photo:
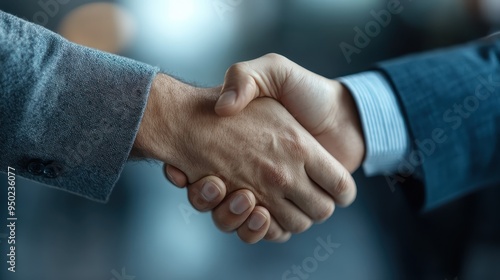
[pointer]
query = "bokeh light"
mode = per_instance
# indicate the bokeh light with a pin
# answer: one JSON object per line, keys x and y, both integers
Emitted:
{"x": 103, "y": 26}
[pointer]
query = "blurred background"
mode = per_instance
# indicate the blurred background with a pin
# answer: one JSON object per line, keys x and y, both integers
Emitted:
{"x": 148, "y": 230}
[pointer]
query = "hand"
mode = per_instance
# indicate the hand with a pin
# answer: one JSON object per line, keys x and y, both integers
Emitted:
{"x": 324, "y": 107}
{"x": 252, "y": 225}
{"x": 263, "y": 150}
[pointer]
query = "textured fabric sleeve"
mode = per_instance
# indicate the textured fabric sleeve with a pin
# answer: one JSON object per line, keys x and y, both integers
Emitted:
{"x": 386, "y": 136}
{"x": 68, "y": 114}
{"x": 451, "y": 101}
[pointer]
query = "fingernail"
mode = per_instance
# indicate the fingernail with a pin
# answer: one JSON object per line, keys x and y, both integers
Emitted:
{"x": 239, "y": 204}
{"x": 256, "y": 222}
{"x": 209, "y": 191}
{"x": 169, "y": 177}
{"x": 227, "y": 99}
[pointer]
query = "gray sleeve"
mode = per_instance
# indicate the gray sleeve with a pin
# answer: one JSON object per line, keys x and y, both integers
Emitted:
{"x": 68, "y": 114}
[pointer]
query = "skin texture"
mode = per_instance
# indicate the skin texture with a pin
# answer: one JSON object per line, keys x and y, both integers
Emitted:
{"x": 323, "y": 107}
{"x": 289, "y": 179}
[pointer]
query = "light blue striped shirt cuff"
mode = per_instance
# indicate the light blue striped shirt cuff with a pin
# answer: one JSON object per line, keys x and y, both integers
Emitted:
{"x": 386, "y": 136}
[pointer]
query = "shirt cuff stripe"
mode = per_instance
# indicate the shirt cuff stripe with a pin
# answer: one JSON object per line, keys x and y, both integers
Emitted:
{"x": 386, "y": 134}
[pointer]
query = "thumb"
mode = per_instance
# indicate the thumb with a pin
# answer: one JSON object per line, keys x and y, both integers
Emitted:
{"x": 238, "y": 91}
{"x": 175, "y": 176}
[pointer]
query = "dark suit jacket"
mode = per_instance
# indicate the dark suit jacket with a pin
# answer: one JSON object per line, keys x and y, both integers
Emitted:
{"x": 451, "y": 101}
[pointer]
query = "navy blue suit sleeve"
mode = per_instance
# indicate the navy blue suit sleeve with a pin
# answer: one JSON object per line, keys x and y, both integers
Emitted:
{"x": 451, "y": 102}
{"x": 68, "y": 114}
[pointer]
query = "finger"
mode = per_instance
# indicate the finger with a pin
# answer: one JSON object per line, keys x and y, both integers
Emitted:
{"x": 256, "y": 226}
{"x": 234, "y": 210}
{"x": 313, "y": 201}
{"x": 248, "y": 80}
{"x": 206, "y": 193}
{"x": 290, "y": 217}
{"x": 238, "y": 91}
{"x": 276, "y": 233}
{"x": 175, "y": 176}
{"x": 330, "y": 175}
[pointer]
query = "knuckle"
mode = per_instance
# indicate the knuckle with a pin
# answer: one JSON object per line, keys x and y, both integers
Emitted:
{"x": 343, "y": 184}
{"x": 275, "y": 57}
{"x": 237, "y": 68}
{"x": 326, "y": 212}
{"x": 294, "y": 141}
{"x": 300, "y": 227}
{"x": 275, "y": 175}
{"x": 240, "y": 74}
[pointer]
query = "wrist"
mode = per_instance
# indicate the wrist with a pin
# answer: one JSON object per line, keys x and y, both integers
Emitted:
{"x": 347, "y": 126}
{"x": 164, "y": 116}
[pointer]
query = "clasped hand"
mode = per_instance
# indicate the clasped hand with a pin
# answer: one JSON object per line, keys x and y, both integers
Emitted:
{"x": 265, "y": 170}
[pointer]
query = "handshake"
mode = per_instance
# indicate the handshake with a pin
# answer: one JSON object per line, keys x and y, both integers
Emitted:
{"x": 264, "y": 169}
